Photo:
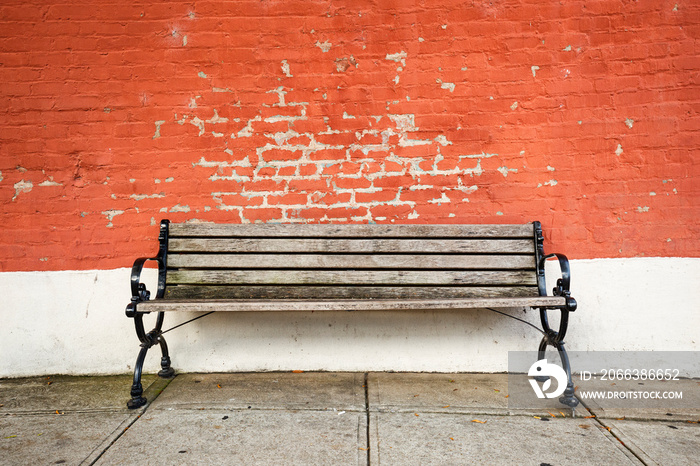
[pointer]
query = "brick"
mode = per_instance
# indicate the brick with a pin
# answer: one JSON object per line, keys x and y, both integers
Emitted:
{"x": 390, "y": 212}
{"x": 328, "y": 154}
{"x": 262, "y": 215}
{"x": 281, "y": 155}
{"x": 352, "y": 183}
{"x": 394, "y": 181}
{"x": 308, "y": 185}
{"x": 238, "y": 200}
{"x": 288, "y": 199}
{"x": 329, "y": 198}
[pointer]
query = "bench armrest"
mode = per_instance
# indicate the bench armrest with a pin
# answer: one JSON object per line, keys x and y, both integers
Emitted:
{"x": 139, "y": 292}
{"x": 563, "y": 284}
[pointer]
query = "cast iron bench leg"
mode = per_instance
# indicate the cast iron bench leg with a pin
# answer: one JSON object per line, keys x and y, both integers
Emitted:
{"x": 137, "y": 400}
{"x": 147, "y": 341}
{"x": 556, "y": 340}
{"x": 166, "y": 371}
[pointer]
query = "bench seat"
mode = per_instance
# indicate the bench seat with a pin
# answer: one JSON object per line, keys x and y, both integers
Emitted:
{"x": 268, "y": 305}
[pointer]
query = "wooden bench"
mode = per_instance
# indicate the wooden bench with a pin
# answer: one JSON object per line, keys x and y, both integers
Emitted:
{"x": 290, "y": 267}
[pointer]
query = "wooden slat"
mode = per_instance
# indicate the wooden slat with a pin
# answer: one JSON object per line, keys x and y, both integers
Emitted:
{"x": 297, "y": 261}
{"x": 345, "y": 292}
{"x": 517, "y": 246}
{"x": 354, "y": 230}
{"x": 344, "y": 305}
{"x": 350, "y": 277}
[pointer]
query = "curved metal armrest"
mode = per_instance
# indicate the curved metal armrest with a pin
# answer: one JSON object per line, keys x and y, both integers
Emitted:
{"x": 563, "y": 283}
{"x": 138, "y": 289}
{"x": 139, "y": 292}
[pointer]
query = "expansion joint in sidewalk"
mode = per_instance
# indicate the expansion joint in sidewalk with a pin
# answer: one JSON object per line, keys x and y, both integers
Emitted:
{"x": 629, "y": 451}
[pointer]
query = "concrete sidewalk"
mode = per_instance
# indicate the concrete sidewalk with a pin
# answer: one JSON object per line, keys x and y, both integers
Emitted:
{"x": 323, "y": 418}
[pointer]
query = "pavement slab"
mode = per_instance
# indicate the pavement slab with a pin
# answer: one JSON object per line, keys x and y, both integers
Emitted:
{"x": 220, "y": 436}
{"x": 453, "y": 393}
{"x": 70, "y": 438}
{"x": 250, "y": 418}
{"x": 431, "y": 438}
{"x": 686, "y": 408}
{"x": 266, "y": 390}
{"x": 669, "y": 442}
{"x": 67, "y": 393}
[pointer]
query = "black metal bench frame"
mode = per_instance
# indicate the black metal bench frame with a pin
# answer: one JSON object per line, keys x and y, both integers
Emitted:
{"x": 555, "y": 338}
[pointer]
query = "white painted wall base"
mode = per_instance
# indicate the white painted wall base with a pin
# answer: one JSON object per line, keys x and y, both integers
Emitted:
{"x": 73, "y": 322}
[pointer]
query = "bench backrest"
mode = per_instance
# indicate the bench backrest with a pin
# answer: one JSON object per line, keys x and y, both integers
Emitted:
{"x": 291, "y": 261}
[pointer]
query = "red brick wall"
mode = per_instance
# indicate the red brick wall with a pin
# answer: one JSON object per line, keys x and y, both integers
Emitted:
{"x": 583, "y": 115}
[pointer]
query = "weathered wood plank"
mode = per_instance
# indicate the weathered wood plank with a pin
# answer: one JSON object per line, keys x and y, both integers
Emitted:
{"x": 346, "y": 292}
{"x": 514, "y": 246}
{"x": 350, "y": 277}
{"x": 353, "y": 230}
{"x": 345, "y": 305}
{"x": 363, "y": 261}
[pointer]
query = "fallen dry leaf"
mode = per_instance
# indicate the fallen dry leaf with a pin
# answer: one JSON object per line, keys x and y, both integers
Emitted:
{"x": 447, "y": 406}
{"x": 584, "y": 426}
{"x": 537, "y": 417}
{"x": 562, "y": 414}
{"x": 480, "y": 422}
{"x": 589, "y": 417}
{"x": 218, "y": 385}
{"x": 451, "y": 438}
{"x": 416, "y": 414}
{"x": 11, "y": 436}
{"x": 551, "y": 414}
{"x": 297, "y": 371}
